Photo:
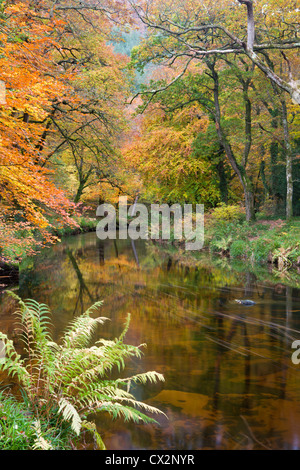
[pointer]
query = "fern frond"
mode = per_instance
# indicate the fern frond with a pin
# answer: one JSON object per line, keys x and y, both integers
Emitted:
{"x": 41, "y": 443}
{"x": 34, "y": 325}
{"x": 126, "y": 328}
{"x": 140, "y": 404}
{"x": 13, "y": 363}
{"x": 69, "y": 413}
{"x": 93, "y": 308}
{"x": 80, "y": 331}
{"x": 89, "y": 364}
{"x": 72, "y": 379}
{"x": 151, "y": 376}
{"x": 118, "y": 352}
{"x": 127, "y": 413}
{"x": 112, "y": 400}
{"x": 15, "y": 296}
{"x": 96, "y": 393}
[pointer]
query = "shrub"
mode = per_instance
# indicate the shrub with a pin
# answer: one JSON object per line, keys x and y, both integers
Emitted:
{"x": 66, "y": 382}
{"x": 261, "y": 249}
{"x": 227, "y": 213}
{"x": 221, "y": 245}
{"x": 238, "y": 249}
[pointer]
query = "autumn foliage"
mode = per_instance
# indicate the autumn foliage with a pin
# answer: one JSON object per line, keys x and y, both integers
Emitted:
{"x": 214, "y": 119}
{"x": 64, "y": 90}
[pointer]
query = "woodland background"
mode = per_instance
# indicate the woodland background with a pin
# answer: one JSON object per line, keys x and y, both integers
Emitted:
{"x": 186, "y": 102}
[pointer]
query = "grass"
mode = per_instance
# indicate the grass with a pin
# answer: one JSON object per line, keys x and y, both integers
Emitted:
{"x": 16, "y": 426}
{"x": 19, "y": 429}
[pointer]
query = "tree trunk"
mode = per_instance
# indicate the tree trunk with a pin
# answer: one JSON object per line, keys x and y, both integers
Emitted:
{"x": 249, "y": 203}
{"x": 223, "y": 183}
{"x": 83, "y": 179}
{"x": 250, "y": 24}
{"x": 79, "y": 193}
{"x": 289, "y": 162}
{"x": 238, "y": 169}
{"x": 81, "y": 188}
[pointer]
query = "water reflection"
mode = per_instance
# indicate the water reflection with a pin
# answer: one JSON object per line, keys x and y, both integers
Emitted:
{"x": 230, "y": 382}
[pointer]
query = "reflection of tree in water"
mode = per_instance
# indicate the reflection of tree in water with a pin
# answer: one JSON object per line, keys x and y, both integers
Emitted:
{"x": 135, "y": 253}
{"x": 233, "y": 333}
{"x": 223, "y": 346}
{"x": 82, "y": 285}
{"x": 101, "y": 252}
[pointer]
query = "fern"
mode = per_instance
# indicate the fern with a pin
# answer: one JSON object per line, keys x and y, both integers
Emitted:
{"x": 40, "y": 443}
{"x": 65, "y": 382}
{"x": 13, "y": 364}
{"x": 81, "y": 330}
{"x": 70, "y": 413}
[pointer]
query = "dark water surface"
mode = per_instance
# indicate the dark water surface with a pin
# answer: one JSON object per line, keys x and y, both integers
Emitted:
{"x": 229, "y": 379}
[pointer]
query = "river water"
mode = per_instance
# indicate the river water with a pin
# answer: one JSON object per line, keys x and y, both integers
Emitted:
{"x": 230, "y": 382}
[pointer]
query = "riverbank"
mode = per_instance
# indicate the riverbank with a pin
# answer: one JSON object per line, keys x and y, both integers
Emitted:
{"x": 23, "y": 244}
{"x": 265, "y": 241}
{"x": 224, "y": 269}
{"x": 84, "y": 225}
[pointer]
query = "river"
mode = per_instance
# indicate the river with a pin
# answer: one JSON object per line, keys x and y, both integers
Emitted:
{"x": 230, "y": 382}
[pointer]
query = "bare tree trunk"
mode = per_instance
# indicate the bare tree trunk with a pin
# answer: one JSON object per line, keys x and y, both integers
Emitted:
{"x": 250, "y": 24}
{"x": 291, "y": 86}
{"x": 276, "y": 113}
{"x": 289, "y": 162}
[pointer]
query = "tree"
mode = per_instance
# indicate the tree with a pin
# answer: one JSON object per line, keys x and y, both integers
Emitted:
{"x": 203, "y": 31}
{"x": 84, "y": 127}
{"x": 26, "y": 186}
{"x": 207, "y": 90}
{"x": 62, "y": 94}
{"x": 180, "y": 37}
{"x": 162, "y": 153}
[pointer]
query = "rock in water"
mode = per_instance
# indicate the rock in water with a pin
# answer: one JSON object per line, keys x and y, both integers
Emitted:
{"x": 245, "y": 302}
